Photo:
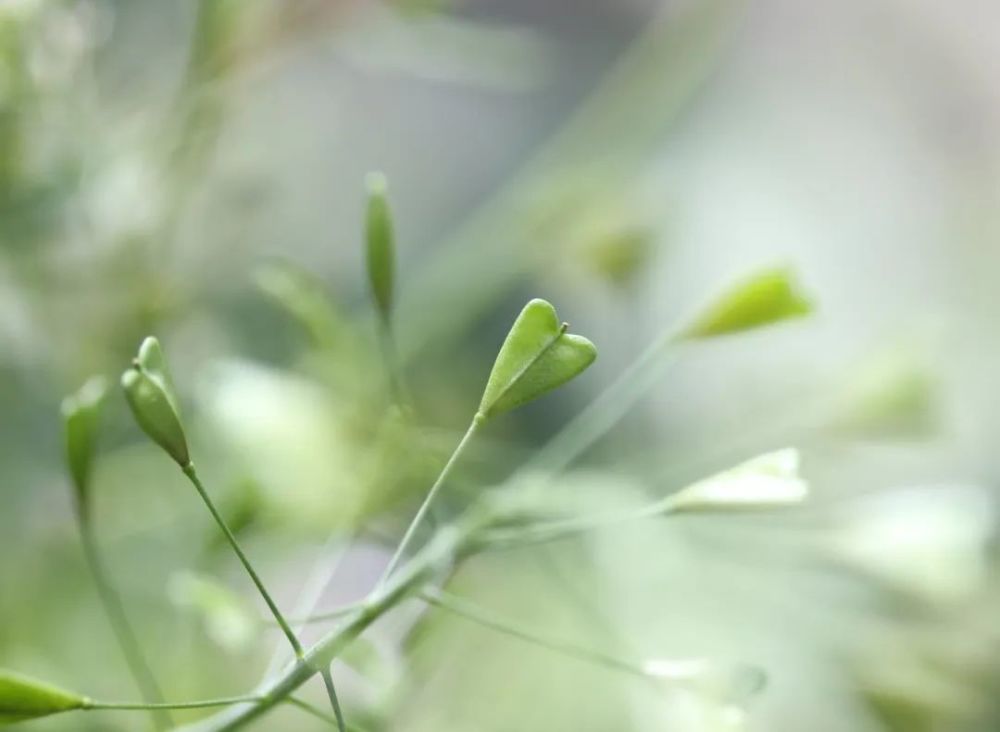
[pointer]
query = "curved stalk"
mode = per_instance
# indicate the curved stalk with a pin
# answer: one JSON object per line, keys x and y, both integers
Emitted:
{"x": 114, "y": 608}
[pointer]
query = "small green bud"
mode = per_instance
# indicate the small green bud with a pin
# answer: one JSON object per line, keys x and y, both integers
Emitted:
{"x": 537, "y": 357}
{"x": 23, "y": 698}
{"x": 81, "y": 414}
{"x": 765, "y": 298}
{"x": 152, "y": 403}
{"x": 381, "y": 245}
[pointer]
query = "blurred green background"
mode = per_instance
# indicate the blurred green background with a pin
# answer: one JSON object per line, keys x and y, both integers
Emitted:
{"x": 195, "y": 169}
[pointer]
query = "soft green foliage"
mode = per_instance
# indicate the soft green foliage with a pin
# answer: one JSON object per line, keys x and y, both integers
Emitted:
{"x": 724, "y": 682}
{"x": 537, "y": 357}
{"x": 224, "y": 614}
{"x": 155, "y": 412}
{"x": 81, "y": 412}
{"x": 303, "y": 296}
{"x": 765, "y": 298}
{"x": 380, "y": 245}
{"x": 22, "y": 697}
{"x": 893, "y": 395}
{"x": 768, "y": 481}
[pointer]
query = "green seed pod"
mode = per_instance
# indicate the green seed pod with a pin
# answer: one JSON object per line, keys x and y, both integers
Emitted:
{"x": 767, "y": 481}
{"x": 381, "y": 245}
{"x": 762, "y": 299}
{"x": 81, "y": 414}
{"x": 151, "y": 360}
{"x": 155, "y": 413}
{"x": 537, "y": 357}
{"x": 23, "y": 698}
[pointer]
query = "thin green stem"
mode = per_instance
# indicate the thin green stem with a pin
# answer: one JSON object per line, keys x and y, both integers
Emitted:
{"x": 390, "y": 358}
{"x": 547, "y": 531}
{"x": 114, "y": 608}
{"x": 473, "y": 613}
{"x": 199, "y": 704}
{"x": 334, "y": 614}
{"x": 192, "y": 475}
{"x": 331, "y": 692}
{"x": 428, "y": 500}
{"x": 318, "y": 713}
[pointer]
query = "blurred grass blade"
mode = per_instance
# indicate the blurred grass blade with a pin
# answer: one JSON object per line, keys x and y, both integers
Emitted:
{"x": 303, "y": 296}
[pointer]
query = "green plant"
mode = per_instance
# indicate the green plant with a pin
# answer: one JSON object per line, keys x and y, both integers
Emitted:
{"x": 538, "y": 356}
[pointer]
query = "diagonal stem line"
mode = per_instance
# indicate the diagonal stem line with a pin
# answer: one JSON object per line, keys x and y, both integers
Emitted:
{"x": 318, "y": 713}
{"x": 331, "y": 692}
{"x": 122, "y": 627}
{"x": 473, "y": 613}
{"x": 192, "y": 475}
{"x": 428, "y": 500}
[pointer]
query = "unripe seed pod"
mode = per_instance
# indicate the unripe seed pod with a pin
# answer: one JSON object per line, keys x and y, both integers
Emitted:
{"x": 155, "y": 413}
{"x": 22, "y": 698}
{"x": 380, "y": 245}
{"x": 81, "y": 413}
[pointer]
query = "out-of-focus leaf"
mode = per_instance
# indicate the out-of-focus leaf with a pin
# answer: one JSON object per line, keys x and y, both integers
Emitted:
{"x": 928, "y": 541}
{"x": 303, "y": 296}
{"x": 768, "y": 481}
{"x": 893, "y": 396}
{"x": 227, "y": 620}
{"x": 764, "y": 298}
{"x": 293, "y": 438}
{"x": 729, "y": 683}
